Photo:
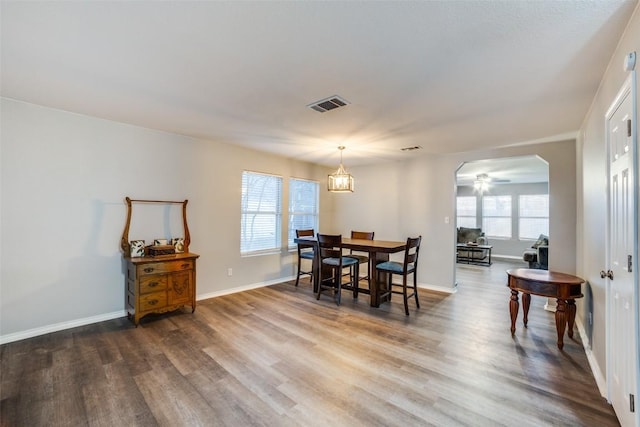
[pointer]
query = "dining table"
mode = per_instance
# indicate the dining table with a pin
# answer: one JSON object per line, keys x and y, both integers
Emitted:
{"x": 378, "y": 250}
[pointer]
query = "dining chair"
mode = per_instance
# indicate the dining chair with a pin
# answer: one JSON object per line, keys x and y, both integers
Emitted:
{"x": 330, "y": 251}
{"x": 362, "y": 257}
{"x": 305, "y": 252}
{"x": 405, "y": 268}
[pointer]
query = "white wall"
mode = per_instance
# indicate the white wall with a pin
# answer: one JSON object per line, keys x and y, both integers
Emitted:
{"x": 64, "y": 178}
{"x": 592, "y": 201}
{"x": 414, "y": 197}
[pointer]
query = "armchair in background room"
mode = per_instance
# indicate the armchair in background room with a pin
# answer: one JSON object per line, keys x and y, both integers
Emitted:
{"x": 473, "y": 236}
{"x": 538, "y": 255}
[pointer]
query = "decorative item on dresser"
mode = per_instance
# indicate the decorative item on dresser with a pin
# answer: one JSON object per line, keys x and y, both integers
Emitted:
{"x": 158, "y": 281}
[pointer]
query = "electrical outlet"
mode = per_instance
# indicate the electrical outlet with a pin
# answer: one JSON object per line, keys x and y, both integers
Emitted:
{"x": 229, "y": 271}
{"x": 446, "y": 220}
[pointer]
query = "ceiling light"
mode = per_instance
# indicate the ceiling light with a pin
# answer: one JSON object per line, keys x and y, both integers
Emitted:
{"x": 340, "y": 181}
{"x": 481, "y": 184}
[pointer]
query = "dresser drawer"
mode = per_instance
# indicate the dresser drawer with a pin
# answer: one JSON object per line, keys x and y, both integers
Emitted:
{"x": 164, "y": 267}
{"x": 153, "y": 283}
{"x": 153, "y": 301}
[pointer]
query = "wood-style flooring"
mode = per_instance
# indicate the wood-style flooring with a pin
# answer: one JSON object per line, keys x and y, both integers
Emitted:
{"x": 277, "y": 357}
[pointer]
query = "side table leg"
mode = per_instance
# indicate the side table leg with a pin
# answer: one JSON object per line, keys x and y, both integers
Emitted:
{"x": 513, "y": 310}
{"x": 571, "y": 316}
{"x": 561, "y": 321}
{"x": 526, "y": 302}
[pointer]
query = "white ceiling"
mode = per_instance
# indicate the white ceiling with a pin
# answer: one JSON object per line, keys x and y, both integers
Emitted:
{"x": 448, "y": 76}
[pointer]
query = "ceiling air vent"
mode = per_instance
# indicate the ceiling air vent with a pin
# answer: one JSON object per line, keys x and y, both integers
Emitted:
{"x": 327, "y": 104}
{"x": 416, "y": 147}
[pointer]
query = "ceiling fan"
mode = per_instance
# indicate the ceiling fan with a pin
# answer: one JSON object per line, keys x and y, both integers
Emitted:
{"x": 486, "y": 178}
{"x": 483, "y": 181}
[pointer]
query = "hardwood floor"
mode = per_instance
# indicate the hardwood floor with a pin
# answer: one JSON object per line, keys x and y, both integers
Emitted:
{"x": 277, "y": 357}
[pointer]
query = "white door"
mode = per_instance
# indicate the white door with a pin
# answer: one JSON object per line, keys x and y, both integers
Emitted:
{"x": 621, "y": 372}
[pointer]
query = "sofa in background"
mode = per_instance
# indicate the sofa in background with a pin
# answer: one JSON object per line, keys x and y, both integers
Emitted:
{"x": 475, "y": 236}
{"x": 538, "y": 255}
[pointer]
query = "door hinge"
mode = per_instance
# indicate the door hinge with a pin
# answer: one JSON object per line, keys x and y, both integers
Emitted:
{"x": 629, "y": 128}
{"x": 632, "y": 405}
{"x": 629, "y": 263}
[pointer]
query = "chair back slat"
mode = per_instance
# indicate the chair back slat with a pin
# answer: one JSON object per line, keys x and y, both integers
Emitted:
{"x": 305, "y": 247}
{"x": 411, "y": 253}
{"x": 305, "y": 233}
{"x": 330, "y": 245}
{"x": 363, "y": 235}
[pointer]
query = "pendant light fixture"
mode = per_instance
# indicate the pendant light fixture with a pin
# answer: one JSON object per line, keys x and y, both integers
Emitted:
{"x": 340, "y": 181}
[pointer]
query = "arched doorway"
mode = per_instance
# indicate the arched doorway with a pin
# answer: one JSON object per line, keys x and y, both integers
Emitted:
{"x": 506, "y": 201}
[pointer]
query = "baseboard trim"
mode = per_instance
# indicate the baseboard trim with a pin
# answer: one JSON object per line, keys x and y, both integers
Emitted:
{"x": 601, "y": 381}
{"x": 438, "y": 289}
{"x": 509, "y": 257}
{"x": 30, "y": 333}
{"x": 243, "y": 288}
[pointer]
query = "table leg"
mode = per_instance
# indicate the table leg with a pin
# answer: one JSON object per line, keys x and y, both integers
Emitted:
{"x": 374, "y": 259}
{"x": 526, "y": 302}
{"x": 561, "y": 321}
{"x": 513, "y": 310}
{"x": 571, "y": 316}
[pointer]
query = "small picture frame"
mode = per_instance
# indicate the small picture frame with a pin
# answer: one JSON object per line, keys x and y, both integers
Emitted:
{"x": 178, "y": 244}
{"x": 137, "y": 248}
{"x": 160, "y": 242}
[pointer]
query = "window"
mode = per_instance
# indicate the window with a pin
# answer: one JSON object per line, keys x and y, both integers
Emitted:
{"x": 496, "y": 216}
{"x": 466, "y": 211}
{"x": 261, "y": 219}
{"x": 533, "y": 216}
{"x": 303, "y": 206}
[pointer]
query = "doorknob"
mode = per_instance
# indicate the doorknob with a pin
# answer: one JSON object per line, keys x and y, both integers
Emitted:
{"x": 608, "y": 274}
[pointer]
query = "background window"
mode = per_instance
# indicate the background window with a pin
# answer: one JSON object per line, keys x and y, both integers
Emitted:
{"x": 303, "y": 206}
{"x": 261, "y": 219}
{"x": 496, "y": 216}
{"x": 533, "y": 216}
{"x": 466, "y": 211}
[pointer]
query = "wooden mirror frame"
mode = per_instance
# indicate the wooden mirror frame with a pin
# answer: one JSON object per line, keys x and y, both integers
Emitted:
{"x": 124, "y": 241}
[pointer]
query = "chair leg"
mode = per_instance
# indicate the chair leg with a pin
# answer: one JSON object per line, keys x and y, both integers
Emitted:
{"x": 415, "y": 289}
{"x": 355, "y": 280}
{"x": 298, "y": 274}
{"x": 319, "y": 282}
{"x": 404, "y": 295}
{"x": 338, "y": 284}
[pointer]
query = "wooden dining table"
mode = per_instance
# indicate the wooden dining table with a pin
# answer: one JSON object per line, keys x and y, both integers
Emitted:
{"x": 378, "y": 251}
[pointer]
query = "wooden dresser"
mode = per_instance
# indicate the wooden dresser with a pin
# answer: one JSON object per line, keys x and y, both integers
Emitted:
{"x": 160, "y": 284}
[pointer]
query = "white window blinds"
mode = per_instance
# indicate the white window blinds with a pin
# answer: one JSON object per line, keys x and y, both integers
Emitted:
{"x": 303, "y": 207}
{"x": 496, "y": 216}
{"x": 533, "y": 216}
{"x": 261, "y": 213}
{"x": 466, "y": 211}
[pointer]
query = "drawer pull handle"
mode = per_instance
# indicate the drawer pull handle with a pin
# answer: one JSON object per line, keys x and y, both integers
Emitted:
{"x": 153, "y": 284}
{"x": 153, "y": 302}
{"x": 185, "y": 265}
{"x": 149, "y": 269}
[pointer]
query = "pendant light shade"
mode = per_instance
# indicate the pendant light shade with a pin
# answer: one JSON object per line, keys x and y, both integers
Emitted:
{"x": 340, "y": 181}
